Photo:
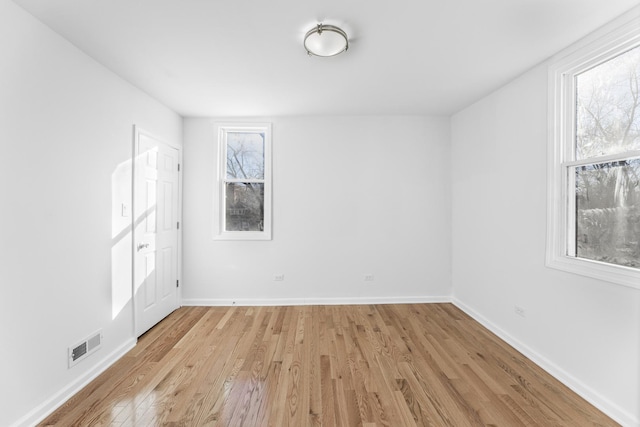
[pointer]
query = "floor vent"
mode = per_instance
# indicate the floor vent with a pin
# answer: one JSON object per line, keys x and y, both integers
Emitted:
{"x": 84, "y": 348}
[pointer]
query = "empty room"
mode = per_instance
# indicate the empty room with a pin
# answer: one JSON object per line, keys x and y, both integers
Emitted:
{"x": 290, "y": 213}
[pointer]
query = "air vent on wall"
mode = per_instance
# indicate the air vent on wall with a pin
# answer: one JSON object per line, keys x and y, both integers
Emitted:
{"x": 84, "y": 348}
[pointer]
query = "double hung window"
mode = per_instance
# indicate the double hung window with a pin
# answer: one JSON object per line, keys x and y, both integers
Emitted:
{"x": 594, "y": 185}
{"x": 243, "y": 187}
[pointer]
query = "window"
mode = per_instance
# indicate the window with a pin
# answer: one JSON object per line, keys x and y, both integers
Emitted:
{"x": 243, "y": 184}
{"x": 594, "y": 159}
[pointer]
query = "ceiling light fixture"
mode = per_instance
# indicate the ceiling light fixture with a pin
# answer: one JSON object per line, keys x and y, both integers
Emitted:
{"x": 326, "y": 40}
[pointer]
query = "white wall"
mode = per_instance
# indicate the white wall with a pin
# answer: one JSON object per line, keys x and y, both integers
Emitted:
{"x": 351, "y": 196}
{"x": 66, "y": 132}
{"x": 586, "y": 332}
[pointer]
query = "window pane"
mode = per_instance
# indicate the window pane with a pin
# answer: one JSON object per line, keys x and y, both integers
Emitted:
{"x": 245, "y": 155}
{"x": 608, "y": 212}
{"x": 608, "y": 107}
{"x": 244, "y": 207}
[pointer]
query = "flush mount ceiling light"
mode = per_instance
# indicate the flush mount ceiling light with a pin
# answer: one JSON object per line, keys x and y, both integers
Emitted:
{"x": 326, "y": 40}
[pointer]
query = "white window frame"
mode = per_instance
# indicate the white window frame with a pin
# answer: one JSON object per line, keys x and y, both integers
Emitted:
{"x": 219, "y": 232}
{"x": 561, "y": 155}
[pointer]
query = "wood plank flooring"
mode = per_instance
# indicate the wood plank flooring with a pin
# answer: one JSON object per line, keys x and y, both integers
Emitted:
{"x": 368, "y": 366}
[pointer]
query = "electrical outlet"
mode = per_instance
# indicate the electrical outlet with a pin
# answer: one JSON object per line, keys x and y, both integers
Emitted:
{"x": 368, "y": 277}
{"x": 519, "y": 311}
{"x": 278, "y": 277}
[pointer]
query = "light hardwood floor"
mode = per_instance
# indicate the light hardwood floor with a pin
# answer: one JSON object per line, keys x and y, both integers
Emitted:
{"x": 371, "y": 365}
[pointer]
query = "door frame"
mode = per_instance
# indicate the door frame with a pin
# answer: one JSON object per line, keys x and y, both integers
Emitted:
{"x": 137, "y": 131}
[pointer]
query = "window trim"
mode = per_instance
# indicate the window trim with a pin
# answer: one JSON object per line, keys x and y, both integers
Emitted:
{"x": 561, "y": 157}
{"x": 219, "y": 233}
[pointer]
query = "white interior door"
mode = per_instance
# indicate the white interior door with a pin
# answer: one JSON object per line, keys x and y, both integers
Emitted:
{"x": 156, "y": 207}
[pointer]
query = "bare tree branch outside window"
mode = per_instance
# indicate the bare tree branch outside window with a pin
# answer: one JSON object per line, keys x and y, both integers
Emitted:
{"x": 608, "y": 193}
{"x": 244, "y": 201}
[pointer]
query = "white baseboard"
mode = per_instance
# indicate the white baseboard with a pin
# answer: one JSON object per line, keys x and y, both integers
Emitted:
{"x": 605, "y": 405}
{"x": 314, "y": 301}
{"x": 54, "y": 402}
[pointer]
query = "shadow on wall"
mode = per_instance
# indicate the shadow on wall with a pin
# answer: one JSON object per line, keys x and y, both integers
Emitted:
{"x": 120, "y": 237}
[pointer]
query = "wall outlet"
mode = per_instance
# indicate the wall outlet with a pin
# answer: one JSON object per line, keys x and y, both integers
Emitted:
{"x": 519, "y": 311}
{"x": 278, "y": 277}
{"x": 368, "y": 277}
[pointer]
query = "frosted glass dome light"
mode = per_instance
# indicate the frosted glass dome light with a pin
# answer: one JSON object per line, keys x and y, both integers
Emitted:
{"x": 326, "y": 40}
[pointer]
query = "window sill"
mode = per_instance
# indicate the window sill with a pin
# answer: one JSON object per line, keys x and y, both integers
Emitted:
{"x": 620, "y": 275}
{"x": 242, "y": 236}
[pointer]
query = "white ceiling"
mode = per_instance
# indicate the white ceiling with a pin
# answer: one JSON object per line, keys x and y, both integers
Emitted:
{"x": 245, "y": 57}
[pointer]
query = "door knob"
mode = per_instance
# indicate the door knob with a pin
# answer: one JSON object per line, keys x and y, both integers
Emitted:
{"x": 142, "y": 246}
